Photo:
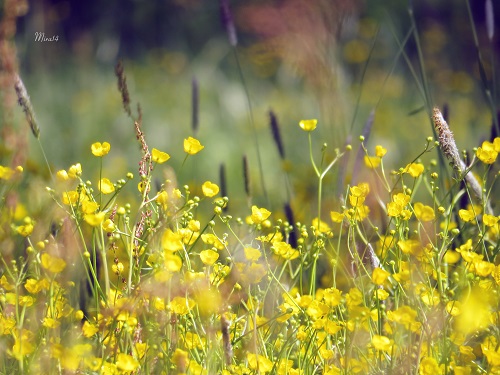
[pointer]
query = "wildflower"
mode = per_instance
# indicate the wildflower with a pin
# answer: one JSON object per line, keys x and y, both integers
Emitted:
{"x": 372, "y": 161}
{"x": 406, "y": 316}
{"x": 468, "y": 215}
{"x": 320, "y": 226}
{"x": 252, "y": 254}
{"x": 100, "y": 149}
{"x": 126, "y": 363}
{"x": 423, "y": 212}
{"x": 259, "y": 215}
{"x": 487, "y": 153}
{"x": 52, "y": 264}
{"x": 89, "y": 207}
{"x": 429, "y": 366}
{"x": 94, "y": 219}
{"x": 414, "y": 169}
{"x": 308, "y": 125}
{"x": 209, "y": 257}
{"x": 192, "y": 146}
{"x": 70, "y": 197}
{"x": 490, "y": 220}
{"x": 484, "y": 268}
{"x": 162, "y": 199}
{"x": 182, "y": 305}
{"x": 171, "y": 241}
{"x": 398, "y": 204}
{"x": 380, "y": 151}
{"x": 354, "y": 297}
{"x": 212, "y": 240}
{"x": 382, "y": 343}
{"x": 5, "y": 173}
{"x": 173, "y": 262}
{"x": 89, "y": 329}
{"x": 75, "y": 170}
{"x": 285, "y": 250}
{"x": 23, "y": 344}
{"x": 50, "y": 322}
{"x": 180, "y": 360}
{"x": 379, "y": 276}
{"x": 413, "y": 247}
{"x": 332, "y": 297}
{"x": 209, "y": 189}
{"x": 108, "y": 226}
{"x": 26, "y": 229}
{"x": 317, "y": 309}
{"x": 158, "y": 156}
{"x": 259, "y": 363}
{"x": 336, "y": 217}
{"x": 106, "y": 186}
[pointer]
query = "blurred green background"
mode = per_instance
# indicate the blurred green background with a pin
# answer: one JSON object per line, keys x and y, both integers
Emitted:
{"x": 331, "y": 60}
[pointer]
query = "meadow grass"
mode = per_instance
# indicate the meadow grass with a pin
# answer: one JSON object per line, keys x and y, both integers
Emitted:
{"x": 397, "y": 271}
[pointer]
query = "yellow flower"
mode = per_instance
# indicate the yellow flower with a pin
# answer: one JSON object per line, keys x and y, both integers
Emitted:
{"x": 336, "y": 217}
{"x": 372, "y": 161}
{"x": 259, "y": 362}
{"x": 317, "y": 309}
{"x": 23, "y": 344}
{"x": 252, "y": 254}
{"x": 192, "y": 146}
{"x": 487, "y": 153}
{"x": 62, "y": 175}
{"x": 429, "y": 366}
{"x": 211, "y": 239}
{"x": 414, "y": 169}
{"x": 126, "y": 363}
{"x": 182, "y": 305}
{"x": 467, "y": 215}
{"x": 209, "y": 257}
{"x": 399, "y": 202}
{"x": 26, "y": 229}
{"x": 50, "y": 322}
{"x": 380, "y": 151}
{"x": 89, "y": 329}
{"x": 379, "y": 276}
{"x": 89, "y": 207}
{"x": 173, "y": 262}
{"x": 100, "y": 149}
{"x": 75, "y": 170}
{"x": 423, "y": 212}
{"x": 382, "y": 343}
{"x": 308, "y": 125}
{"x": 259, "y": 214}
{"x": 159, "y": 157}
{"x": 332, "y": 297}
{"x": 94, "y": 219}
{"x": 180, "y": 359}
{"x": 490, "y": 220}
{"x": 410, "y": 246}
{"x": 285, "y": 250}
{"x": 108, "y": 225}
{"x": 5, "y": 172}
{"x": 105, "y": 186}
{"x": 171, "y": 241}
{"x": 484, "y": 268}
{"x": 406, "y": 316}
{"x": 70, "y": 197}
{"x": 52, "y": 264}
{"x": 209, "y": 189}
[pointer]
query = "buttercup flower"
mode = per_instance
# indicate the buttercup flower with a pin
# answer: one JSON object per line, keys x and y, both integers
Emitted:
{"x": 308, "y": 125}
{"x": 100, "y": 149}
{"x": 192, "y": 146}
{"x": 159, "y": 156}
{"x": 209, "y": 189}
